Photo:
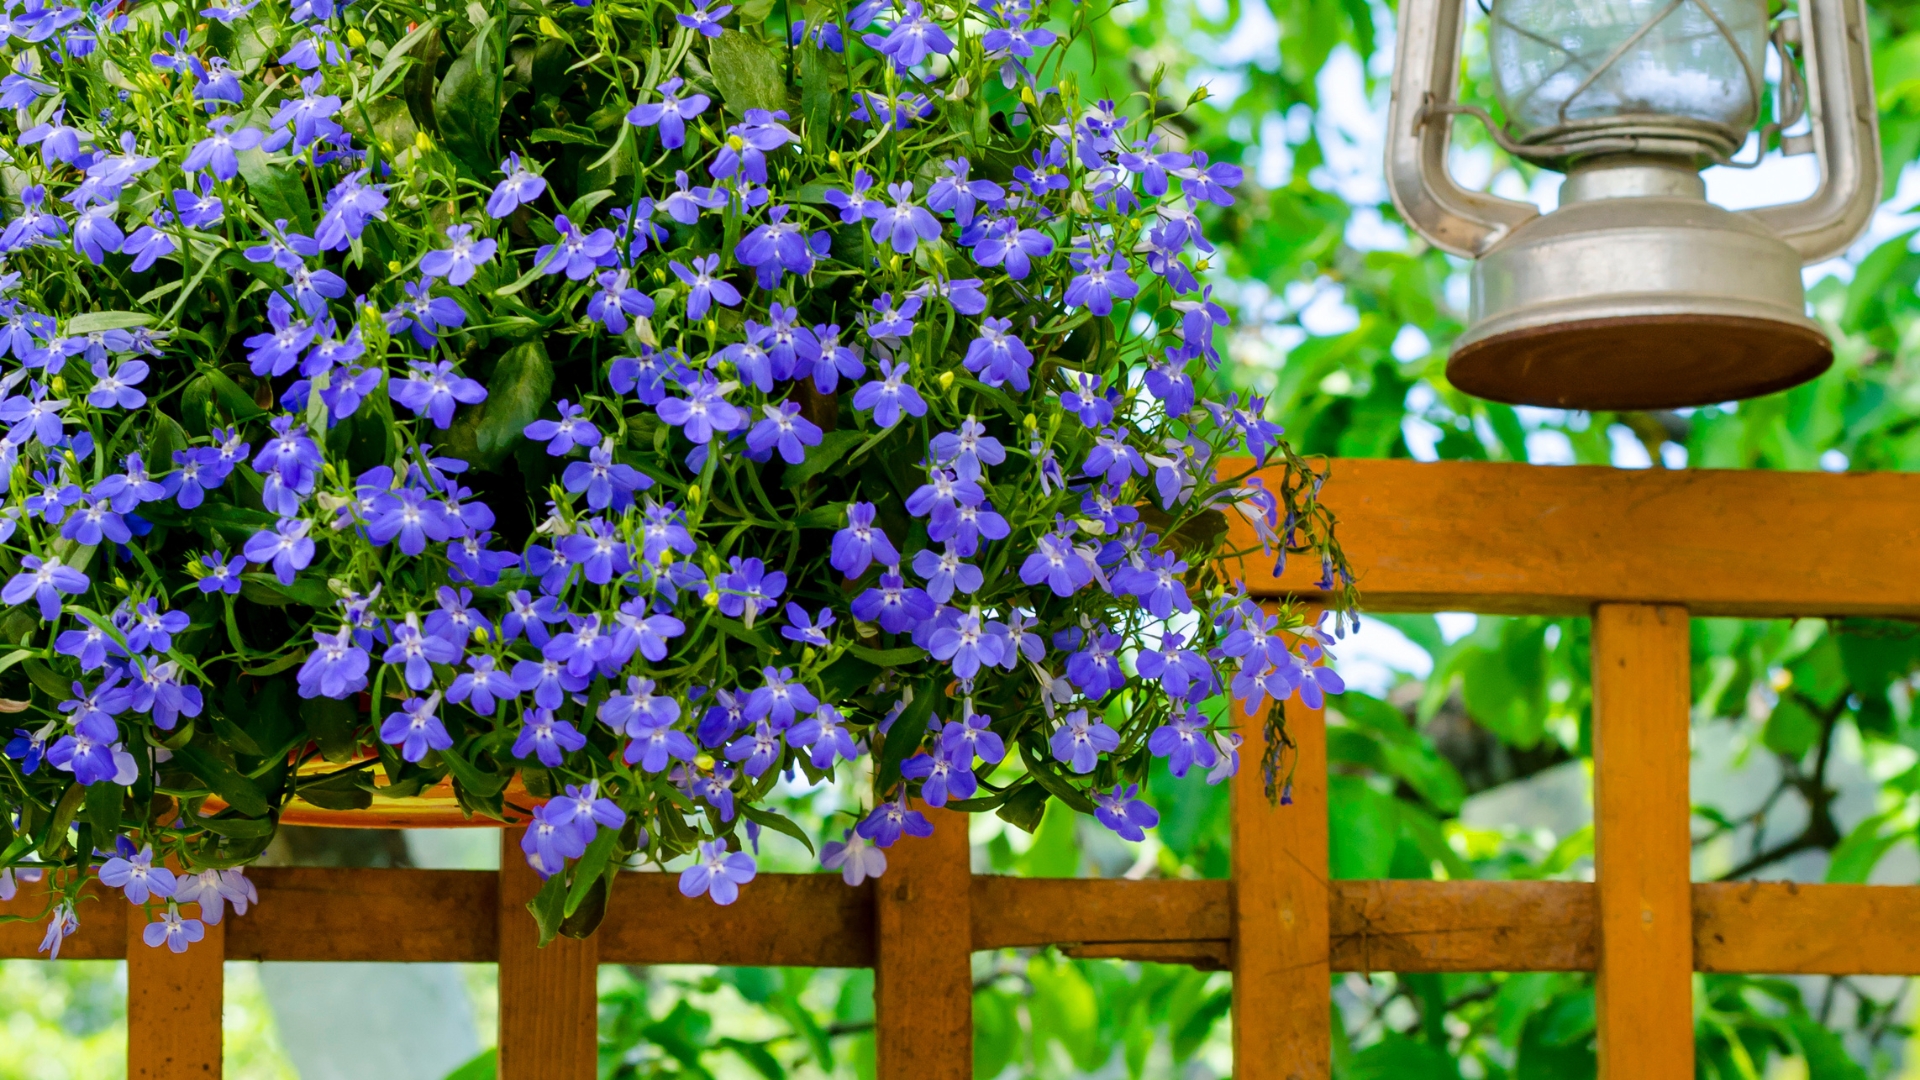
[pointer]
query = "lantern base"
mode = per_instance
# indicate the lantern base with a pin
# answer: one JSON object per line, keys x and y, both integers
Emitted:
{"x": 1643, "y": 362}
{"x": 1637, "y": 303}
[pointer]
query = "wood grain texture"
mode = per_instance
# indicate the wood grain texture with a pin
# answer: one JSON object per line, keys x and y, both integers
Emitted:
{"x": 1642, "y": 846}
{"x": 1498, "y": 538}
{"x": 173, "y": 1003}
{"x": 1782, "y": 928}
{"x": 923, "y": 959}
{"x": 1282, "y": 1005}
{"x": 1010, "y": 912}
{"x": 1462, "y": 926}
{"x": 798, "y": 920}
{"x": 405, "y": 915}
{"x": 549, "y": 1002}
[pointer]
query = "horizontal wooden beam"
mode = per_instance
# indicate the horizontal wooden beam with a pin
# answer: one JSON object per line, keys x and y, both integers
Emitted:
{"x": 1554, "y": 540}
{"x": 813, "y": 920}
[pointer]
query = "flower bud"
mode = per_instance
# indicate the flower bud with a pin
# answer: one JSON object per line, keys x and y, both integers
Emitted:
{"x": 394, "y": 266}
{"x": 59, "y": 385}
{"x": 549, "y": 27}
{"x": 355, "y": 38}
{"x": 480, "y": 634}
{"x": 946, "y": 381}
{"x": 422, "y": 142}
{"x": 703, "y": 760}
{"x": 712, "y": 599}
{"x": 693, "y": 494}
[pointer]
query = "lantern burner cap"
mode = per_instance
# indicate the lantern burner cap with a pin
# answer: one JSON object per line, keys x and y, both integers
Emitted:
{"x": 1640, "y": 362}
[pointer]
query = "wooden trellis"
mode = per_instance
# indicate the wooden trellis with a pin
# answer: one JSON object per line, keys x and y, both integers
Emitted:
{"x": 1639, "y": 552}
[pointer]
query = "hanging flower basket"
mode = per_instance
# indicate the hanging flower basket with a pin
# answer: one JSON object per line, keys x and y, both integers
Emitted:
{"x": 593, "y": 418}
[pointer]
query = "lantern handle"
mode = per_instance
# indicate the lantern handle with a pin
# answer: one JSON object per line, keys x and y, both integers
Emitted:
{"x": 1846, "y": 135}
{"x": 1419, "y": 127}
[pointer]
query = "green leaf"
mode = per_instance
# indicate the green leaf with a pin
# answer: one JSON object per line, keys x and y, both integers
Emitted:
{"x": 475, "y": 780}
{"x": 833, "y": 446}
{"x": 104, "y": 802}
{"x": 396, "y": 58}
{"x": 1853, "y": 861}
{"x": 572, "y": 134}
{"x": 767, "y": 819}
{"x": 235, "y": 399}
{"x": 747, "y": 72}
{"x": 521, "y": 382}
{"x": 107, "y": 320}
{"x": 592, "y": 863}
{"x": 48, "y": 682}
{"x": 238, "y": 791}
{"x": 1025, "y": 807}
{"x": 886, "y": 658}
{"x": 547, "y": 906}
{"x": 63, "y": 813}
{"x": 466, "y": 105}
{"x": 1397, "y": 1057}
{"x": 907, "y": 733}
{"x": 304, "y": 590}
{"x": 331, "y": 724}
{"x": 482, "y": 1066}
{"x": 1362, "y": 827}
{"x": 278, "y": 190}
{"x": 342, "y": 790}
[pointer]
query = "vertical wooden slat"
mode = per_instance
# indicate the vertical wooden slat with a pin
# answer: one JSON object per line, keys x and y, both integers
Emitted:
{"x": 549, "y": 1008}
{"x": 1282, "y": 994}
{"x": 173, "y": 1004}
{"x": 923, "y": 956}
{"x": 1641, "y": 700}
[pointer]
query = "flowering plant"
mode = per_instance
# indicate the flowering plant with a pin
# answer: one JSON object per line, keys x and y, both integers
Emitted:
{"x": 641, "y": 401}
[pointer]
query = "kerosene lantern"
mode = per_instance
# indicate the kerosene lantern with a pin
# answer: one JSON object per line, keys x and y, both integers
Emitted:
{"x": 1637, "y": 293}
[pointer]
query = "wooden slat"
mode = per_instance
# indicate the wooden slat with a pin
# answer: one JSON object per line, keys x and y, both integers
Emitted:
{"x": 1282, "y": 1007}
{"x": 1010, "y": 912}
{"x": 799, "y": 920}
{"x": 312, "y": 913}
{"x": 1496, "y": 538}
{"x": 1642, "y": 847}
{"x": 1780, "y": 928}
{"x": 173, "y": 1004}
{"x": 923, "y": 962}
{"x": 1463, "y": 926}
{"x": 549, "y": 1001}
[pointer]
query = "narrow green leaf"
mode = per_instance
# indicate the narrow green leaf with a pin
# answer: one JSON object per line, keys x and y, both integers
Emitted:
{"x": 747, "y": 72}
{"x": 592, "y": 863}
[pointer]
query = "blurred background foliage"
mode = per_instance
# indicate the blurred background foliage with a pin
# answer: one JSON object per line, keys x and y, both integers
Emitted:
{"x": 1463, "y": 750}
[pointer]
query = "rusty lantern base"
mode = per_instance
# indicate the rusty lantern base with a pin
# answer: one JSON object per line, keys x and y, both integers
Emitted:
{"x": 1640, "y": 362}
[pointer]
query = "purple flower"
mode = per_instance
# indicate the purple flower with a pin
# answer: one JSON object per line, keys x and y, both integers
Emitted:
{"x": 785, "y": 429}
{"x": 804, "y": 630}
{"x": 217, "y": 151}
{"x": 889, "y": 821}
{"x": 912, "y": 39}
{"x": 941, "y": 777}
{"x": 578, "y": 253}
{"x": 483, "y": 685}
{"x": 44, "y": 581}
{"x": 745, "y": 152}
{"x": 597, "y": 549}
{"x": 585, "y": 811}
{"x": 615, "y": 300}
{"x": 409, "y": 514}
{"x": 893, "y": 604}
{"x": 944, "y": 573}
{"x": 336, "y": 668}
{"x": 964, "y": 742}
{"x": 1085, "y": 400}
{"x": 199, "y": 210}
{"x": 1005, "y": 243}
{"x": 89, "y": 753}
{"x": 956, "y": 193}
{"x": 520, "y": 186}
{"x": 415, "y": 652}
{"x": 780, "y": 247}
{"x": 717, "y": 873}
{"x": 1201, "y": 182}
{"x": 1184, "y": 742}
{"x": 671, "y": 112}
{"x": 861, "y": 542}
{"x": 1079, "y": 740}
{"x": 136, "y": 876}
{"x": 703, "y": 288}
{"x": 856, "y": 857}
{"x": 890, "y": 396}
{"x": 458, "y": 263}
{"x": 572, "y": 430}
{"x": 684, "y": 205}
{"x": 548, "y": 844}
{"x": 415, "y": 729}
{"x": 749, "y": 589}
{"x": 95, "y": 233}
{"x": 173, "y": 930}
{"x": 545, "y": 737}
{"x": 856, "y": 205}
{"x": 608, "y": 484}
{"x": 1101, "y": 282}
{"x": 967, "y": 644}
{"x": 904, "y": 224}
{"x": 1120, "y": 811}
{"x": 707, "y": 23}
{"x": 824, "y": 733}
{"x": 434, "y": 390}
{"x": 1059, "y": 564}
{"x": 705, "y": 410}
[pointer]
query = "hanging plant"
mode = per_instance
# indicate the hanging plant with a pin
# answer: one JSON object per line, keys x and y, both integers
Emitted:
{"x": 636, "y": 402}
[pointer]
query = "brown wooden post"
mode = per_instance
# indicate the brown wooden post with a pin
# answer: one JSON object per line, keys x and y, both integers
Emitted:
{"x": 923, "y": 956}
{"x": 1642, "y": 848}
{"x": 549, "y": 1005}
{"x": 1282, "y": 988}
{"x": 173, "y": 1004}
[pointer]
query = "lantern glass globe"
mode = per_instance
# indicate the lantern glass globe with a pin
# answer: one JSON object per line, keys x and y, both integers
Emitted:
{"x": 1566, "y": 67}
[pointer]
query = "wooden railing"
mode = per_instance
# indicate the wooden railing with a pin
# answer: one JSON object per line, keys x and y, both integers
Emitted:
{"x": 1639, "y": 552}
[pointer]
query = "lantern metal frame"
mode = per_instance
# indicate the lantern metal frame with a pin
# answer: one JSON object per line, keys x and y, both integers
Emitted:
{"x": 1637, "y": 292}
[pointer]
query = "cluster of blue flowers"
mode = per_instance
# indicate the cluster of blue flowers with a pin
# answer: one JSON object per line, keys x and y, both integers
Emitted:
{"x": 794, "y": 449}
